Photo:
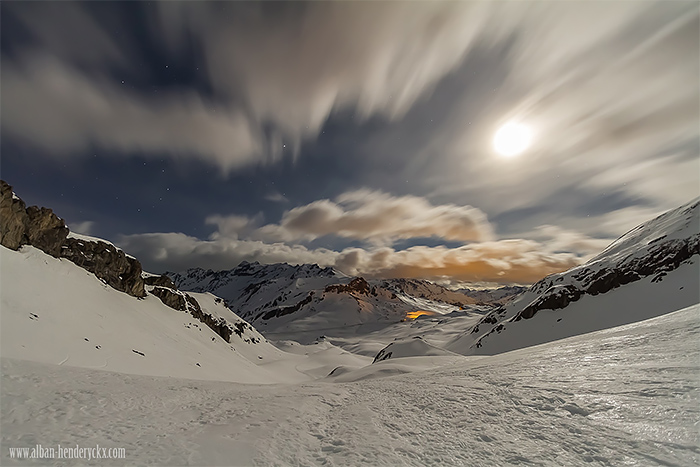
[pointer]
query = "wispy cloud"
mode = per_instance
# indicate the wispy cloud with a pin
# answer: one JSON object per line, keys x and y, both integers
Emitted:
{"x": 276, "y": 197}
{"x": 49, "y": 104}
{"x": 85, "y": 227}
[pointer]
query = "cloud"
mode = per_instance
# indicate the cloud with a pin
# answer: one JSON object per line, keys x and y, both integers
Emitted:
{"x": 607, "y": 107}
{"x": 504, "y": 261}
{"x": 563, "y": 240}
{"x": 176, "y": 252}
{"x": 278, "y": 71}
{"x": 307, "y": 61}
{"x": 52, "y": 105}
{"x": 360, "y": 214}
{"x": 233, "y": 227}
{"x": 85, "y": 227}
{"x": 368, "y": 215}
{"x": 276, "y": 197}
{"x": 67, "y": 30}
{"x": 312, "y": 58}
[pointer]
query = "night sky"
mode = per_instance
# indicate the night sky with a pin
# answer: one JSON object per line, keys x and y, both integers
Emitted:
{"x": 354, "y": 135}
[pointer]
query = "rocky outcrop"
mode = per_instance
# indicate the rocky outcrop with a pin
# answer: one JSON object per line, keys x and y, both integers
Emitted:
{"x": 556, "y": 298}
{"x": 45, "y": 230}
{"x": 160, "y": 281}
{"x": 35, "y": 226}
{"x": 173, "y": 299}
{"x": 181, "y": 301}
{"x": 13, "y": 218}
{"x": 108, "y": 263}
{"x": 661, "y": 258}
{"x": 356, "y": 286}
{"x": 285, "y": 310}
{"x": 219, "y": 325}
{"x": 41, "y": 228}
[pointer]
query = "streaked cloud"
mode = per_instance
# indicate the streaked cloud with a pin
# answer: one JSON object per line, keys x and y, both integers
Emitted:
{"x": 85, "y": 227}
{"x": 49, "y": 104}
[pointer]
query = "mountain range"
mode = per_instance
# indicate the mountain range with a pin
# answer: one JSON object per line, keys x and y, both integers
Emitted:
{"x": 348, "y": 370}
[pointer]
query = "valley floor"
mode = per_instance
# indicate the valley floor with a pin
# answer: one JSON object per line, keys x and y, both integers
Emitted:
{"x": 623, "y": 396}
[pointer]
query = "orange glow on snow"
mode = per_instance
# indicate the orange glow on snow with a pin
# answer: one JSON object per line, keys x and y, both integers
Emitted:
{"x": 416, "y": 314}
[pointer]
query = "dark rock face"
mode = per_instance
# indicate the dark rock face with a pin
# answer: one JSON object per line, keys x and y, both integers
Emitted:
{"x": 35, "y": 226}
{"x": 556, "y": 298}
{"x": 43, "y": 229}
{"x": 46, "y": 230}
{"x": 170, "y": 298}
{"x": 218, "y": 325}
{"x": 110, "y": 264}
{"x": 661, "y": 258}
{"x": 286, "y": 310}
{"x": 160, "y": 281}
{"x": 182, "y": 301}
{"x": 13, "y": 219}
{"x": 383, "y": 354}
{"x": 358, "y": 285}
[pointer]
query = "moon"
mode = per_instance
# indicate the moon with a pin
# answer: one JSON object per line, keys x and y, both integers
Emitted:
{"x": 512, "y": 139}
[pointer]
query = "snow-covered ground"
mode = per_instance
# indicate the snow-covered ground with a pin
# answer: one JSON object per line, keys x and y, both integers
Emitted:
{"x": 56, "y": 312}
{"x": 623, "y": 396}
{"x": 84, "y": 364}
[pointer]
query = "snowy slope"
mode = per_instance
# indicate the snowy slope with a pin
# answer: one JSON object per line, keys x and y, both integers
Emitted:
{"x": 499, "y": 295}
{"x": 651, "y": 270}
{"x": 52, "y": 311}
{"x": 427, "y": 290}
{"x": 623, "y": 396}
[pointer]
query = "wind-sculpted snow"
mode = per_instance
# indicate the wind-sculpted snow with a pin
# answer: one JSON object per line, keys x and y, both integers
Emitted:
{"x": 651, "y": 270}
{"x": 623, "y": 396}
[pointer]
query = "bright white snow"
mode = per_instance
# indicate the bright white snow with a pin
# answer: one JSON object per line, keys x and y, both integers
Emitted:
{"x": 55, "y": 312}
{"x": 85, "y": 364}
{"x": 624, "y": 396}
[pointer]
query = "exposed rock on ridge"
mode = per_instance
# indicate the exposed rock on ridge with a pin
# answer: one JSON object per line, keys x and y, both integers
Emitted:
{"x": 108, "y": 263}
{"x": 41, "y": 228}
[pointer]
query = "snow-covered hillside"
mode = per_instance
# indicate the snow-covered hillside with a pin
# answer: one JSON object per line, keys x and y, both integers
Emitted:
{"x": 55, "y": 312}
{"x": 500, "y": 295}
{"x": 623, "y": 396}
{"x": 651, "y": 270}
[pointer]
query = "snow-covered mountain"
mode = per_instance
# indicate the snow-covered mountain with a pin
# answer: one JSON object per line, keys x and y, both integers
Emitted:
{"x": 310, "y": 299}
{"x": 76, "y": 300}
{"x": 95, "y": 351}
{"x": 418, "y": 288}
{"x": 500, "y": 296}
{"x": 651, "y": 270}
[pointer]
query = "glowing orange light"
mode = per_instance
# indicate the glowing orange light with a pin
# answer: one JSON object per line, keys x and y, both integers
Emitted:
{"x": 416, "y": 314}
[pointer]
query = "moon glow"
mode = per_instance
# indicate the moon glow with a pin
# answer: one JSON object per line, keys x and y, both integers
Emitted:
{"x": 512, "y": 139}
